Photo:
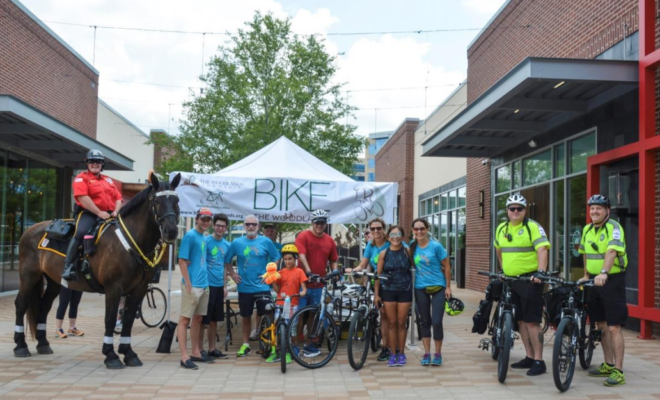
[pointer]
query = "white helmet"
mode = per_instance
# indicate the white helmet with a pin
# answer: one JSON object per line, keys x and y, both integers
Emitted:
{"x": 319, "y": 215}
{"x": 353, "y": 290}
{"x": 516, "y": 199}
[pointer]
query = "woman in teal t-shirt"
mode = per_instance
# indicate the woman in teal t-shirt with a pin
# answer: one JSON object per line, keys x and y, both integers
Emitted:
{"x": 432, "y": 288}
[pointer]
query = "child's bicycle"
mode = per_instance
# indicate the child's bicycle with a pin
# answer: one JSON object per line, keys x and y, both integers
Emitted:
{"x": 273, "y": 331}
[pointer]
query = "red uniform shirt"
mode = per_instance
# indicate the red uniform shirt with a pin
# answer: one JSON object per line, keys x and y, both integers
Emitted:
{"x": 290, "y": 283}
{"x": 318, "y": 251}
{"x": 102, "y": 191}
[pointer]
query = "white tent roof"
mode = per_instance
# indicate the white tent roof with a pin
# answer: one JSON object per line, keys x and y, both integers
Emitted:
{"x": 283, "y": 159}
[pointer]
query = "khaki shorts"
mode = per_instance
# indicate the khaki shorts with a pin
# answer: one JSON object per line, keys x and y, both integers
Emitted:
{"x": 195, "y": 303}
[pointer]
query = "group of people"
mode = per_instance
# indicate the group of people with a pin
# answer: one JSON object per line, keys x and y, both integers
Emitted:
{"x": 522, "y": 250}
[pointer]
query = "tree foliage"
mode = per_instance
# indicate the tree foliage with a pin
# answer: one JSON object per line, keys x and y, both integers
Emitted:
{"x": 266, "y": 82}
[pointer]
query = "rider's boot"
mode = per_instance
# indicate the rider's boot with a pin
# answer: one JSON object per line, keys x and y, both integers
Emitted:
{"x": 69, "y": 273}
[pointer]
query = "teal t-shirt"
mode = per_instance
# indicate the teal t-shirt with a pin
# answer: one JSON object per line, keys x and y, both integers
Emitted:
{"x": 371, "y": 252}
{"x": 278, "y": 247}
{"x": 193, "y": 249}
{"x": 216, "y": 250}
{"x": 428, "y": 267}
{"x": 252, "y": 255}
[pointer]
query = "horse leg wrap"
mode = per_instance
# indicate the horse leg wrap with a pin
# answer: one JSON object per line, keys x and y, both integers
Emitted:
{"x": 19, "y": 339}
{"x": 108, "y": 351}
{"x": 43, "y": 347}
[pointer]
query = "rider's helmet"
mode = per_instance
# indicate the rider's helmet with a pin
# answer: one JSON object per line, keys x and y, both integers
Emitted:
{"x": 516, "y": 199}
{"x": 599, "y": 200}
{"x": 319, "y": 215}
{"x": 95, "y": 155}
{"x": 454, "y": 306}
{"x": 290, "y": 249}
{"x": 352, "y": 290}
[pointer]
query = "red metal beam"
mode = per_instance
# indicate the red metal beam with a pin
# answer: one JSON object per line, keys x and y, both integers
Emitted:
{"x": 646, "y": 238}
{"x": 646, "y": 27}
{"x": 613, "y": 155}
{"x": 651, "y": 314}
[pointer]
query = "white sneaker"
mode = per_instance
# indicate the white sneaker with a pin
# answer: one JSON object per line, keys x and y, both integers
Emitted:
{"x": 254, "y": 335}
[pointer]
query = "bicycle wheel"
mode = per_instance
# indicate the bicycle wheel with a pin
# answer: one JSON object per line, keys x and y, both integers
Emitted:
{"x": 321, "y": 330}
{"x": 284, "y": 349}
{"x": 494, "y": 339}
{"x": 265, "y": 336}
{"x": 153, "y": 307}
{"x": 506, "y": 341}
{"x": 563, "y": 354}
{"x": 375, "y": 334}
{"x": 358, "y": 334}
{"x": 587, "y": 344}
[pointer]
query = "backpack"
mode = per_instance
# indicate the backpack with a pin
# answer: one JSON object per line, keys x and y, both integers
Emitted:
{"x": 481, "y": 318}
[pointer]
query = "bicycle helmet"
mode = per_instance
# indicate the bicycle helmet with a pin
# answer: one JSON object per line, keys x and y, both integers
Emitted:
{"x": 454, "y": 306}
{"x": 516, "y": 199}
{"x": 352, "y": 290}
{"x": 319, "y": 215}
{"x": 599, "y": 200}
{"x": 95, "y": 155}
{"x": 290, "y": 249}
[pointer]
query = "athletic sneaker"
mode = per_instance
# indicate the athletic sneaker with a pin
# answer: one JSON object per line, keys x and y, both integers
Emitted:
{"x": 392, "y": 361}
{"x": 384, "y": 354}
{"x": 217, "y": 354}
{"x": 244, "y": 350}
{"x": 401, "y": 360}
{"x": 525, "y": 363}
{"x": 426, "y": 360}
{"x": 75, "y": 332}
{"x": 288, "y": 358}
{"x": 254, "y": 335}
{"x": 273, "y": 357}
{"x": 310, "y": 351}
{"x": 295, "y": 349}
{"x": 616, "y": 378}
{"x": 538, "y": 368}
{"x": 603, "y": 370}
{"x": 59, "y": 333}
{"x": 437, "y": 360}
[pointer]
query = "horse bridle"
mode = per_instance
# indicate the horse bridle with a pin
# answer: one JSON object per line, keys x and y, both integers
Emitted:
{"x": 159, "y": 220}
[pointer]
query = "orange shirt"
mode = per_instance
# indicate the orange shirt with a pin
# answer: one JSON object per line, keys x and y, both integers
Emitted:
{"x": 102, "y": 191}
{"x": 290, "y": 283}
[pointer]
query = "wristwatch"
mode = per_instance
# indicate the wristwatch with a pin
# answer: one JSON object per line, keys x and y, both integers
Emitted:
{"x": 604, "y": 271}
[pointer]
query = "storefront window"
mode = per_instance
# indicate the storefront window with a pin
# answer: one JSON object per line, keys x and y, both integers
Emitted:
{"x": 436, "y": 226}
{"x": 517, "y": 174}
{"x": 461, "y": 196}
{"x": 538, "y": 168}
{"x": 429, "y": 207}
{"x": 577, "y": 217}
{"x": 436, "y": 204}
{"x": 442, "y": 234}
{"x": 500, "y": 212}
{"x": 503, "y": 177}
{"x": 560, "y": 160}
{"x": 452, "y": 198}
{"x": 15, "y": 204}
{"x": 443, "y": 202}
{"x": 558, "y": 241}
{"x": 580, "y": 149}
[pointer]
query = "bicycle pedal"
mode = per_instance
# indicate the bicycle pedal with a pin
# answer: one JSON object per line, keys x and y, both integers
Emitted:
{"x": 484, "y": 344}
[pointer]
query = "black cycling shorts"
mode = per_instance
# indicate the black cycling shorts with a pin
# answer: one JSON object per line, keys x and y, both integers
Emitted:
{"x": 528, "y": 298}
{"x": 216, "y": 309}
{"x": 396, "y": 296}
{"x": 246, "y": 303}
{"x": 608, "y": 303}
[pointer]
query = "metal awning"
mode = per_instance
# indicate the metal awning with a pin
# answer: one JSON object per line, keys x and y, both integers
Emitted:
{"x": 30, "y": 132}
{"x": 536, "y": 96}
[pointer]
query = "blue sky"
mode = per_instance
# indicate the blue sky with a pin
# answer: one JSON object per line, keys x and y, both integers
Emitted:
{"x": 131, "y": 62}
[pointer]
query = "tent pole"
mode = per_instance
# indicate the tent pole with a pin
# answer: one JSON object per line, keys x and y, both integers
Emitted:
{"x": 413, "y": 314}
{"x": 169, "y": 282}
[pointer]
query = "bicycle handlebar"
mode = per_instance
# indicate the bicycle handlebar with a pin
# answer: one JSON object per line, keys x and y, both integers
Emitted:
{"x": 500, "y": 275}
{"x": 562, "y": 282}
{"x": 370, "y": 275}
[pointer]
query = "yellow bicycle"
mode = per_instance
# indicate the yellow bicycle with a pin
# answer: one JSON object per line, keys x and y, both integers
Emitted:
{"x": 273, "y": 333}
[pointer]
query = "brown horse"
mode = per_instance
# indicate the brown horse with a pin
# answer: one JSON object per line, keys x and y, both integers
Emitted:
{"x": 150, "y": 218}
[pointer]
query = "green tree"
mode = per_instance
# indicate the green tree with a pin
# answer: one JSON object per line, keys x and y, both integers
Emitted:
{"x": 266, "y": 82}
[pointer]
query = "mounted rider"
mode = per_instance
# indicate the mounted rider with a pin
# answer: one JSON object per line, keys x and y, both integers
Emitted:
{"x": 96, "y": 197}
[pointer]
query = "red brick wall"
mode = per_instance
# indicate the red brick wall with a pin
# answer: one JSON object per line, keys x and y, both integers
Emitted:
{"x": 395, "y": 163}
{"x": 567, "y": 29}
{"x": 39, "y": 70}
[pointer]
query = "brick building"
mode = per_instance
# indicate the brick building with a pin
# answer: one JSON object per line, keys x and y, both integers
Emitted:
{"x": 395, "y": 162}
{"x": 557, "y": 110}
{"x": 48, "y": 121}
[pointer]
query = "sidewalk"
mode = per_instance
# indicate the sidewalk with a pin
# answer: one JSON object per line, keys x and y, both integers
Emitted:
{"x": 76, "y": 369}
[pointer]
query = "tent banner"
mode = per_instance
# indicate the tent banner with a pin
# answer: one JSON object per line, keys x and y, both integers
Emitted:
{"x": 286, "y": 200}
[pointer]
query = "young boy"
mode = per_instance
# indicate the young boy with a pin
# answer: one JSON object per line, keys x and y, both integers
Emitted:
{"x": 292, "y": 282}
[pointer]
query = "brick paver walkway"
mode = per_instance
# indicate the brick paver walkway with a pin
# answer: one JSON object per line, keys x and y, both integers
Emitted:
{"x": 76, "y": 369}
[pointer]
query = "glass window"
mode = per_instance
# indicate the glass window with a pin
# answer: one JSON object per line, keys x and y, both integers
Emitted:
{"x": 444, "y": 202}
{"x": 372, "y": 163}
{"x": 452, "y": 198}
{"x": 577, "y": 215}
{"x": 560, "y": 160}
{"x": 435, "y": 225}
{"x": 580, "y": 149}
{"x": 538, "y": 168}
{"x": 503, "y": 177}
{"x": 372, "y": 149}
{"x": 422, "y": 207}
{"x": 429, "y": 207}
{"x": 461, "y": 228}
{"x": 436, "y": 204}
{"x": 15, "y": 217}
{"x": 358, "y": 167}
{"x": 517, "y": 174}
{"x": 500, "y": 212}
{"x": 461, "y": 196}
{"x": 558, "y": 242}
{"x": 372, "y": 177}
{"x": 442, "y": 235}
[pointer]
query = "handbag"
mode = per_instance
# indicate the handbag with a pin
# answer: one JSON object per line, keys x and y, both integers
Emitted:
{"x": 60, "y": 229}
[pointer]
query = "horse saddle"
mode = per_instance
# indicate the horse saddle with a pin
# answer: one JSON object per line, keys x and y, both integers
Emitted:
{"x": 60, "y": 231}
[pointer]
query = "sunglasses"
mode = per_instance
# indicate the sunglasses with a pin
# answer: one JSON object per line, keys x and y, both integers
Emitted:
{"x": 395, "y": 235}
{"x": 376, "y": 228}
{"x": 320, "y": 223}
{"x": 251, "y": 224}
{"x": 422, "y": 229}
{"x": 94, "y": 162}
{"x": 516, "y": 209}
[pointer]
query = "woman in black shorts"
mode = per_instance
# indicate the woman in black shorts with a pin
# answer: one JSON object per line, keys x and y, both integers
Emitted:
{"x": 395, "y": 292}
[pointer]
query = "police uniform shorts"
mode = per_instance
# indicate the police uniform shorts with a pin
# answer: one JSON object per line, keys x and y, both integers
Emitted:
{"x": 246, "y": 303}
{"x": 608, "y": 303}
{"x": 528, "y": 298}
{"x": 216, "y": 309}
{"x": 194, "y": 303}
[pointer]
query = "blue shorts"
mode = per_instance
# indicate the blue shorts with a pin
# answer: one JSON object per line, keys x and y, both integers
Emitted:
{"x": 312, "y": 298}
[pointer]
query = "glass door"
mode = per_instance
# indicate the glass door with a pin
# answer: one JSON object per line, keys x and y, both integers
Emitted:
{"x": 577, "y": 218}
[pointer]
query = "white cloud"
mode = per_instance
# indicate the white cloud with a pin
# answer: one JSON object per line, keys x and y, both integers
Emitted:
{"x": 483, "y": 6}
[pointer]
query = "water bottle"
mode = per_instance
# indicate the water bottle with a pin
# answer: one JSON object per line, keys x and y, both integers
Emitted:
{"x": 287, "y": 308}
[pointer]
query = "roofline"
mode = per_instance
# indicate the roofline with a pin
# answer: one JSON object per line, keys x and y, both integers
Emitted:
{"x": 492, "y": 19}
{"x": 381, "y": 134}
{"x": 54, "y": 35}
{"x": 106, "y": 105}
{"x": 422, "y": 122}
{"x": 404, "y": 122}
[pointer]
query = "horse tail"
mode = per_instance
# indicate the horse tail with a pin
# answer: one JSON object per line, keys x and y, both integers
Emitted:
{"x": 34, "y": 298}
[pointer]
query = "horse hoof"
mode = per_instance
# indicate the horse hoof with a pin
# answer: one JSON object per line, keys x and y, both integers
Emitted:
{"x": 22, "y": 352}
{"x": 114, "y": 364}
{"x": 133, "y": 362}
{"x": 45, "y": 349}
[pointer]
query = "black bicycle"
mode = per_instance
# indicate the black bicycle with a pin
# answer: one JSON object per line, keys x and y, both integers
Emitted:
{"x": 575, "y": 335}
{"x": 152, "y": 310}
{"x": 501, "y": 330}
